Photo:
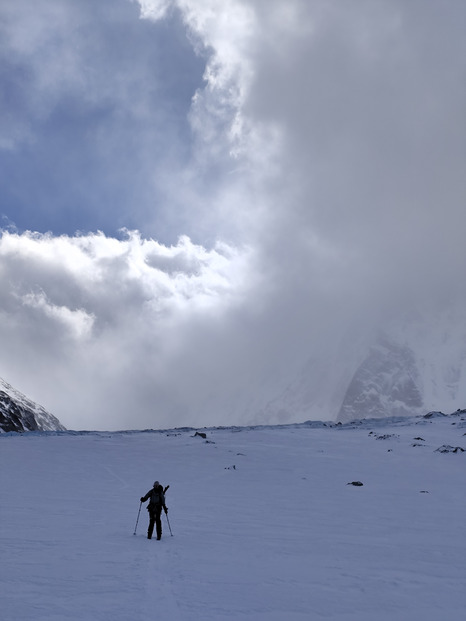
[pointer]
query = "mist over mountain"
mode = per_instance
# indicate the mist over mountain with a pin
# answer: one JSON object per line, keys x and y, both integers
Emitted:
{"x": 415, "y": 365}
{"x": 387, "y": 382}
{"x": 18, "y": 413}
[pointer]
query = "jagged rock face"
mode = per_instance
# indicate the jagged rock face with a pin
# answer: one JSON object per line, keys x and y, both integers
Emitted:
{"x": 417, "y": 365}
{"x": 18, "y": 413}
{"x": 387, "y": 383}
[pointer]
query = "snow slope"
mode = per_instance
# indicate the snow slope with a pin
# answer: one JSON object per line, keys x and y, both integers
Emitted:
{"x": 265, "y": 526}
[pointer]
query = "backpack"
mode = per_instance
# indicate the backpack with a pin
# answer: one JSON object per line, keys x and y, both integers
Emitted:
{"x": 157, "y": 499}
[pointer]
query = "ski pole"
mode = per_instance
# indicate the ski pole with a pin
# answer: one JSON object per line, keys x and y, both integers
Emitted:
{"x": 169, "y": 527}
{"x": 140, "y": 505}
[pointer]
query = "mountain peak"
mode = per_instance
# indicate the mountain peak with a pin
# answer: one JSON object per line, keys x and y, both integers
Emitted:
{"x": 18, "y": 413}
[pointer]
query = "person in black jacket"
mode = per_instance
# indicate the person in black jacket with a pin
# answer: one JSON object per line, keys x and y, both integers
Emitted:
{"x": 155, "y": 506}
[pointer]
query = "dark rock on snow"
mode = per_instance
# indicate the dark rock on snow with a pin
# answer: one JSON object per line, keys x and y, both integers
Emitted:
{"x": 446, "y": 448}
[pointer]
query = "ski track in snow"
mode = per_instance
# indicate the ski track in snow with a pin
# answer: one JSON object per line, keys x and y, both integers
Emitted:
{"x": 265, "y": 526}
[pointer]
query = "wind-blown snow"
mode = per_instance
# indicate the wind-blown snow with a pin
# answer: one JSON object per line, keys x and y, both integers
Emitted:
{"x": 265, "y": 525}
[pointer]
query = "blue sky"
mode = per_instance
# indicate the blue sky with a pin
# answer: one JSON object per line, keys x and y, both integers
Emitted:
{"x": 95, "y": 108}
{"x": 197, "y": 198}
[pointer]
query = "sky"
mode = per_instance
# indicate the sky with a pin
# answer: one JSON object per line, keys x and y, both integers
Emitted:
{"x": 196, "y": 197}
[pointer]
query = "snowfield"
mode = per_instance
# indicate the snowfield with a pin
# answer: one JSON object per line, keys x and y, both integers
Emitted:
{"x": 265, "y": 526}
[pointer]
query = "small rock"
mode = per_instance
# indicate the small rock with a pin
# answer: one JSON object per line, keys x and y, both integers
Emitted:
{"x": 434, "y": 415}
{"x": 446, "y": 448}
{"x": 385, "y": 436}
{"x": 199, "y": 433}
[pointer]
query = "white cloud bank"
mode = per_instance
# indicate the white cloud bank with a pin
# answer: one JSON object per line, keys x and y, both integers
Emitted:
{"x": 100, "y": 327}
{"x": 328, "y": 154}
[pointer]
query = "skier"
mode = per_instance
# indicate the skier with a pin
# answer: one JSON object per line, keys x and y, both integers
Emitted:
{"x": 155, "y": 506}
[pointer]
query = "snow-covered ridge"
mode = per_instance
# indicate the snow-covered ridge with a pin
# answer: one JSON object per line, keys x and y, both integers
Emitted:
{"x": 368, "y": 423}
{"x": 19, "y": 414}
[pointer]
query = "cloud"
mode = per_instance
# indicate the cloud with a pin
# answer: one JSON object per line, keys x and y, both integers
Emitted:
{"x": 308, "y": 191}
{"x": 77, "y": 322}
{"x": 107, "y": 316}
{"x": 369, "y": 102}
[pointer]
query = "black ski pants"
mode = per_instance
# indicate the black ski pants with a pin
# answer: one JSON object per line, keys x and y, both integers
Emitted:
{"x": 154, "y": 518}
